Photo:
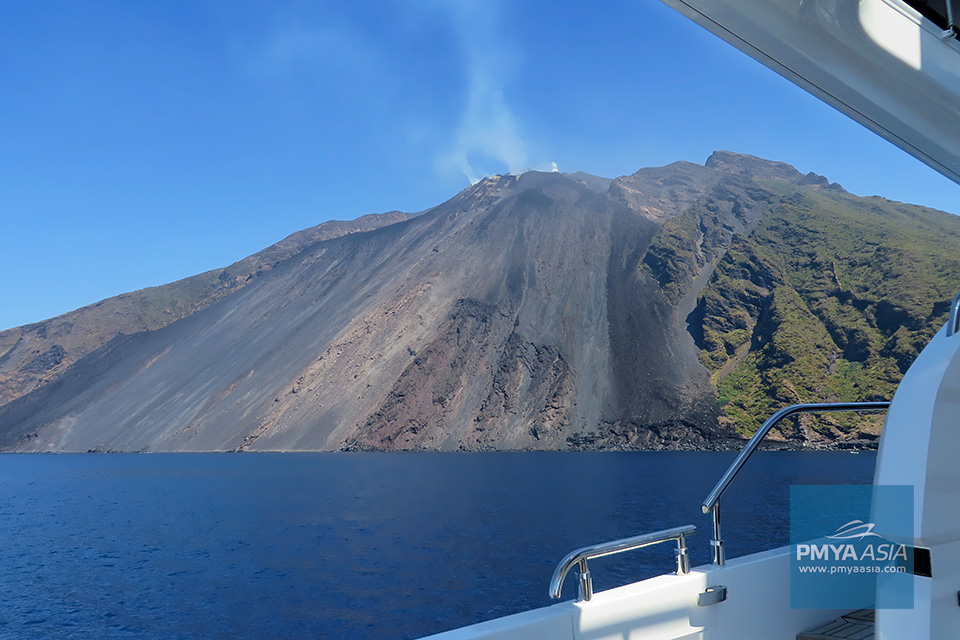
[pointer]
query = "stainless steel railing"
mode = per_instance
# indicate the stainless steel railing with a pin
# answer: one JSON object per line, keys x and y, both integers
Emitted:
{"x": 578, "y": 558}
{"x": 712, "y": 501}
{"x": 953, "y": 324}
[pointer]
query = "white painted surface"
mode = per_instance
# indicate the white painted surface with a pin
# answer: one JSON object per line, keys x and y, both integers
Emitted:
{"x": 894, "y": 624}
{"x": 921, "y": 441}
{"x": 665, "y": 608}
{"x": 554, "y": 623}
{"x": 758, "y": 601}
{"x": 886, "y": 26}
{"x": 661, "y": 608}
{"x": 921, "y": 447}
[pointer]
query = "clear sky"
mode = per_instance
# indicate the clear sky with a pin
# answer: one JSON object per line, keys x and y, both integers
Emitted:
{"x": 143, "y": 142}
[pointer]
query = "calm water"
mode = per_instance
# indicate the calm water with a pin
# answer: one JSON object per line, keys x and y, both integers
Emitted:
{"x": 351, "y": 545}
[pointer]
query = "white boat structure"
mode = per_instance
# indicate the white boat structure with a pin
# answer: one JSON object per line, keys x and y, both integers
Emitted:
{"x": 893, "y": 66}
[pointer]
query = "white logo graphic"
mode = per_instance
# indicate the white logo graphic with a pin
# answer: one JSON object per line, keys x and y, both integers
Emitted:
{"x": 855, "y": 529}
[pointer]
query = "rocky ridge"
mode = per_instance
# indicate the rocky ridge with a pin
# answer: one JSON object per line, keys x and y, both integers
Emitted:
{"x": 672, "y": 308}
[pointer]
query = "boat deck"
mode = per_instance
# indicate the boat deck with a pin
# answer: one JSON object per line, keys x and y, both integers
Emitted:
{"x": 858, "y": 625}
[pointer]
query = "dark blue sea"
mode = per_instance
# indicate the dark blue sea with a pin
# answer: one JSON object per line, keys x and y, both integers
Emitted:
{"x": 262, "y": 546}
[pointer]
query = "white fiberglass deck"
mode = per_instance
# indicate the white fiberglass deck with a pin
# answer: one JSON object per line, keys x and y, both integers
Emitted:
{"x": 665, "y": 608}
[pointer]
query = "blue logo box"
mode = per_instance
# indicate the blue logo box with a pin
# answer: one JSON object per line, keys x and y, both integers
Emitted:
{"x": 847, "y": 540}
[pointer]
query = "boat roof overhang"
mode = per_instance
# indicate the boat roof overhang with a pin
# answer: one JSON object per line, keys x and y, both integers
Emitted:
{"x": 893, "y": 67}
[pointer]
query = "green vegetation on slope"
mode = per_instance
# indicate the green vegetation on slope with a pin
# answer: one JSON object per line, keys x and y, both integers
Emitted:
{"x": 829, "y": 299}
{"x": 685, "y": 244}
{"x": 673, "y": 259}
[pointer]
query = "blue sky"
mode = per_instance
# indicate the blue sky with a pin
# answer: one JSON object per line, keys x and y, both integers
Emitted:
{"x": 143, "y": 142}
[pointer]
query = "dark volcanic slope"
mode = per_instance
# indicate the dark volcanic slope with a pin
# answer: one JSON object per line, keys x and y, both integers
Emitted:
{"x": 671, "y": 308}
{"x": 37, "y": 354}
{"x": 485, "y": 323}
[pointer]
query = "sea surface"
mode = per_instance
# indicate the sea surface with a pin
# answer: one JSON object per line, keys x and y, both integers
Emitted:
{"x": 362, "y": 545}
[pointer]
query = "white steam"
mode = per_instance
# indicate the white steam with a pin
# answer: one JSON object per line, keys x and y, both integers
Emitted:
{"x": 487, "y": 139}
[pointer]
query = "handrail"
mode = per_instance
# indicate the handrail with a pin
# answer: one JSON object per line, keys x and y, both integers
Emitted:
{"x": 579, "y": 557}
{"x": 712, "y": 501}
{"x": 771, "y": 422}
{"x": 953, "y": 324}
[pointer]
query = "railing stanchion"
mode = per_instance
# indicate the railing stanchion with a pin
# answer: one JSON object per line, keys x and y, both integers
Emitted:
{"x": 717, "y": 542}
{"x": 585, "y": 589}
{"x": 683, "y": 556}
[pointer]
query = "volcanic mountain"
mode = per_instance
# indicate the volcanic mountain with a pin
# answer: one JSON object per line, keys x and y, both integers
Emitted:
{"x": 666, "y": 309}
